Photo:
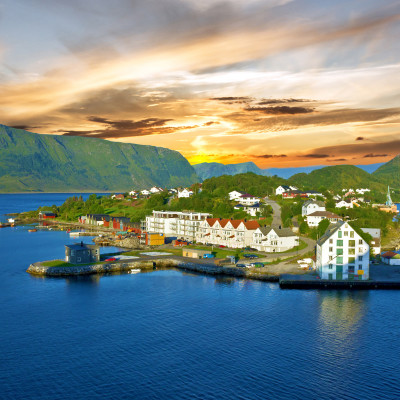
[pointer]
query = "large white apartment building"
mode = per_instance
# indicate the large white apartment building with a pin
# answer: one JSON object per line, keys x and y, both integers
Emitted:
{"x": 342, "y": 254}
{"x": 173, "y": 223}
{"x": 237, "y": 233}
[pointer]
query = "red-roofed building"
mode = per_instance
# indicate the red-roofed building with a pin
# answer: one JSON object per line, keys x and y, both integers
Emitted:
{"x": 226, "y": 232}
{"x": 391, "y": 258}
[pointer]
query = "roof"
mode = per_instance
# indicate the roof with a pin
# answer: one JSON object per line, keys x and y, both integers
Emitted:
{"x": 390, "y": 254}
{"x": 326, "y": 214}
{"x": 284, "y": 187}
{"x": 46, "y": 213}
{"x": 332, "y": 228}
{"x": 246, "y": 195}
{"x": 234, "y": 222}
{"x": 281, "y": 232}
{"x": 81, "y": 246}
{"x": 317, "y": 202}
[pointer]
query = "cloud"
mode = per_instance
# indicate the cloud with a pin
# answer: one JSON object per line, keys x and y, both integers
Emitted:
{"x": 370, "y": 155}
{"x": 281, "y": 110}
{"x": 210, "y": 123}
{"x": 282, "y": 101}
{"x": 359, "y": 138}
{"x": 338, "y": 159}
{"x": 314, "y": 155}
{"x": 270, "y": 156}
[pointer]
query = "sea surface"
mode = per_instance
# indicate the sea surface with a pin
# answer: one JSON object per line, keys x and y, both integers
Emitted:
{"x": 174, "y": 335}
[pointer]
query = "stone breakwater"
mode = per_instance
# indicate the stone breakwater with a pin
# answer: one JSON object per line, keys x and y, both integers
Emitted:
{"x": 148, "y": 265}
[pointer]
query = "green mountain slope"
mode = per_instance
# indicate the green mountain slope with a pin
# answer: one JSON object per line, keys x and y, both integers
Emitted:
{"x": 30, "y": 162}
{"x": 336, "y": 178}
{"x": 209, "y": 170}
{"x": 389, "y": 173}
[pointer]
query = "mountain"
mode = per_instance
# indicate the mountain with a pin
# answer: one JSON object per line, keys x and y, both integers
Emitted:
{"x": 336, "y": 178}
{"x": 214, "y": 169}
{"x": 30, "y": 162}
{"x": 389, "y": 173}
{"x": 209, "y": 170}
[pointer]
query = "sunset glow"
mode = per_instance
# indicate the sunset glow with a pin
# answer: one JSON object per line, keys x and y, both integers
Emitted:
{"x": 280, "y": 83}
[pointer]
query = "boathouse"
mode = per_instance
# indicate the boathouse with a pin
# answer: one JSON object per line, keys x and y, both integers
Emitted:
{"x": 82, "y": 253}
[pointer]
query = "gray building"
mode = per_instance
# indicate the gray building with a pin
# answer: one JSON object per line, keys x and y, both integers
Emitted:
{"x": 82, "y": 253}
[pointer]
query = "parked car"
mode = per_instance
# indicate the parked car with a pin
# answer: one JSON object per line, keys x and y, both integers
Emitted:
{"x": 241, "y": 265}
{"x": 221, "y": 246}
{"x": 111, "y": 259}
{"x": 250, "y": 249}
{"x": 250, "y": 256}
{"x": 256, "y": 265}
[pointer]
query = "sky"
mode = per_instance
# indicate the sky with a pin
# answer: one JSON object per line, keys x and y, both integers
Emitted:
{"x": 282, "y": 83}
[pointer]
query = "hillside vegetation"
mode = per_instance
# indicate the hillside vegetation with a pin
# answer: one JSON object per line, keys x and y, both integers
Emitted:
{"x": 30, "y": 162}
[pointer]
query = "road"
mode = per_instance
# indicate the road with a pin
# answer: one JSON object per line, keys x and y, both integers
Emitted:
{"x": 276, "y": 208}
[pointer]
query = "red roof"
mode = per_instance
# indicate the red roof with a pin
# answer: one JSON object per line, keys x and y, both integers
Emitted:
{"x": 389, "y": 254}
{"x": 211, "y": 221}
{"x": 250, "y": 225}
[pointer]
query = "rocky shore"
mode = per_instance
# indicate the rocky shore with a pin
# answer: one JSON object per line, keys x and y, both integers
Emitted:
{"x": 148, "y": 265}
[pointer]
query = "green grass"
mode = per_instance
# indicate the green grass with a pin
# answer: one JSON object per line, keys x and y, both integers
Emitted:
{"x": 56, "y": 263}
{"x": 302, "y": 245}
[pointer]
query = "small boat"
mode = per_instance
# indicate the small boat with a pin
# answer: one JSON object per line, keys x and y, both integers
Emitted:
{"x": 32, "y": 230}
{"x": 134, "y": 270}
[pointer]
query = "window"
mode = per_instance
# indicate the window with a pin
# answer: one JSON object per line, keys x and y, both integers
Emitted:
{"x": 360, "y": 258}
{"x": 330, "y": 276}
{"x": 360, "y": 241}
{"x": 351, "y": 234}
{"x": 339, "y": 234}
{"x": 352, "y": 260}
{"x": 339, "y": 260}
{"x": 351, "y": 269}
{"x": 330, "y": 266}
{"x": 339, "y": 243}
{"x": 352, "y": 243}
{"x": 339, "y": 252}
{"x": 346, "y": 233}
{"x": 360, "y": 250}
{"x": 330, "y": 241}
{"x": 330, "y": 249}
{"x": 352, "y": 251}
{"x": 360, "y": 266}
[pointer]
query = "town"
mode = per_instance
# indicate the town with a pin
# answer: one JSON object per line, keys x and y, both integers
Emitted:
{"x": 315, "y": 231}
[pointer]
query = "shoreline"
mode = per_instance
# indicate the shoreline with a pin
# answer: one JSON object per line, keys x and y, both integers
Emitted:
{"x": 285, "y": 281}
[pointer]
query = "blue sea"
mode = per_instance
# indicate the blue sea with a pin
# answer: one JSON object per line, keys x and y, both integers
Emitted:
{"x": 173, "y": 335}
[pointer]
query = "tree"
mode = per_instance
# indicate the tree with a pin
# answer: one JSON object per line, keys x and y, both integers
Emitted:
{"x": 323, "y": 226}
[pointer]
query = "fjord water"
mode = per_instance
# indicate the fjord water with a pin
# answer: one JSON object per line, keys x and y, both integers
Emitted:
{"x": 173, "y": 335}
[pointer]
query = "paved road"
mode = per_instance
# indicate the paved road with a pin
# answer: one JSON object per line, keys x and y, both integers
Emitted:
{"x": 276, "y": 216}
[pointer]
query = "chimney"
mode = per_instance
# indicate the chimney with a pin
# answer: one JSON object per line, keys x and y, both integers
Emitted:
{"x": 245, "y": 220}
{"x": 280, "y": 226}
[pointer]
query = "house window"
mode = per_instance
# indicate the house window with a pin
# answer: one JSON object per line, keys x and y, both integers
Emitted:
{"x": 360, "y": 241}
{"x": 360, "y": 258}
{"x": 339, "y": 243}
{"x": 352, "y": 251}
{"x": 330, "y": 241}
{"x": 339, "y": 234}
{"x": 352, "y": 243}
{"x": 351, "y": 234}
{"x": 330, "y": 249}
{"x": 339, "y": 252}
{"x": 352, "y": 260}
{"x": 330, "y": 266}
{"x": 339, "y": 260}
{"x": 360, "y": 249}
{"x": 330, "y": 276}
{"x": 346, "y": 233}
{"x": 360, "y": 266}
{"x": 78, "y": 259}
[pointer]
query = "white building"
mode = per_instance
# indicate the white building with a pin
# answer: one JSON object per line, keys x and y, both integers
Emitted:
{"x": 391, "y": 258}
{"x": 342, "y": 254}
{"x": 145, "y": 192}
{"x": 227, "y": 232}
{"x": 155, "y": 189}
{"x": 282, "y": 189}
{"x": 375, "y": 245}
{"x": 311, "y": 206}
{"x": 344, "y": 204}
{"x": 235, "y": 195}
{"x": 248, "y": 200}
{"x": 274, "y": 239}
{"x": 362, "y": 190}
{"x": 316, "y": 217}
{"x": 133, "y": 193}
{"x": 251, "y": 210}
{"x": 185, "y": 193}
{"x": 183, "y": 225}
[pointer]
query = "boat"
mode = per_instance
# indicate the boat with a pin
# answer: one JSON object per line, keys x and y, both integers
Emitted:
{"x": 32, "y": 230}
{"x": 134, "y": 270}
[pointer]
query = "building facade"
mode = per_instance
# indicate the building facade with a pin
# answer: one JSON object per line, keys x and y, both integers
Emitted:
{"x": 316, "y": 217}
{"x": 183, "y": 225}
{"x": 227, "y": 232}
{"x": 311, "y": 206}
{"x": 274, "y": 239}
{"x": 82, "y": 253}
{"x": 342, "y": 254}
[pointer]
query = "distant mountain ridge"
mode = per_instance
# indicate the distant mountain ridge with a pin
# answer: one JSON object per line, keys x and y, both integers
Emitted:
{"x": 214, "y": 169}
{"x": 30, "y": 162}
